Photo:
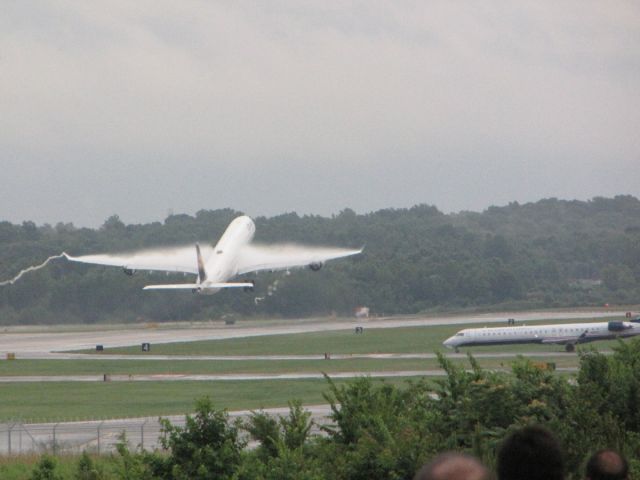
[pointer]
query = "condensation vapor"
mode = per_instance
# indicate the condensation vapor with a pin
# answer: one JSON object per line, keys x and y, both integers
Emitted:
{"x": 32, "y": 269}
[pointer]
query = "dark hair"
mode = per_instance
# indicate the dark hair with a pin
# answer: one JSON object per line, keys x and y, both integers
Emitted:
{"x": 607, "y": 464}
{"x": 531, "y": 453}
{"x": 453, "y": 466}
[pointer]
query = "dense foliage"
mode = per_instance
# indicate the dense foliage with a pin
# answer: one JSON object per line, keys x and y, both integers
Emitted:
{"x": 549, "y": 253}
{"x": 387, "y": 432}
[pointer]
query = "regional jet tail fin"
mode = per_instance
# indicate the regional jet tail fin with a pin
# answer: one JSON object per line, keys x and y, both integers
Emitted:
{"x": 199, "y": 286}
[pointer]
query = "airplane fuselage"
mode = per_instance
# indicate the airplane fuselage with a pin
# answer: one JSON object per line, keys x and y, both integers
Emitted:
{"x": 563, "y": 334}
{"x": 222, "y": 263}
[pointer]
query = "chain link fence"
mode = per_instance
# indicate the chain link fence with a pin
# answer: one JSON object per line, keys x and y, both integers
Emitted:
{"x": 102, "y": 436}
{"x": 74, "y": 437}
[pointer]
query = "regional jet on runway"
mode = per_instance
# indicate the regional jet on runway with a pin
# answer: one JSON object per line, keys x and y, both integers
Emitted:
{"x": 568, "y": 334}
{"x": 214, "y": 266}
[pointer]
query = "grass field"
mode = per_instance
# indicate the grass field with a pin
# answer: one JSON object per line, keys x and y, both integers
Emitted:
{"x": 151, "y": 367}
{"x": 20, "y": 467}
{"x": 67, "y": 401}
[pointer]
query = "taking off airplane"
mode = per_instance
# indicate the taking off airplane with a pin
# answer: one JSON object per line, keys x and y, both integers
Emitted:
{"x": 233, "y": 255}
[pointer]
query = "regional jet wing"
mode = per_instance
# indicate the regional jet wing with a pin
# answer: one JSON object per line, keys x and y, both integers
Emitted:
{"x": 170, "y": 259}
{"x": 252, "y": 257}
{"x": 561, "y": 340}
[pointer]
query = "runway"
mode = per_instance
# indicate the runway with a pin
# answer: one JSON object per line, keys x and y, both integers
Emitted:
{"x": 24, "y": 343}
{"x": 213, "y": 378}
{"x": 233, "y": 377}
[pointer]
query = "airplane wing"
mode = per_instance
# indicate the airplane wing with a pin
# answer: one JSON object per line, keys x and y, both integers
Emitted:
{"x": 255, "y": 257}
{"x": 561, "y": 340}
{"x": 170, "y": 259}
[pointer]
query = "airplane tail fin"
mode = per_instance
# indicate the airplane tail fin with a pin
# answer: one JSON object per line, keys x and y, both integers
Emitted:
{"x": 202, "y": 274}
{"x": 202, "y": 285}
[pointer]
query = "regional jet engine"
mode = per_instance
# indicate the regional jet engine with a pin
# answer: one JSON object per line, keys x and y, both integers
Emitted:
{"x": 618, "y": 326}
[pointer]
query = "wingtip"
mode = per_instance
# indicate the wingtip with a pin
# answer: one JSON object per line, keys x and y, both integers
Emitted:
{"x": 71, "y": 258}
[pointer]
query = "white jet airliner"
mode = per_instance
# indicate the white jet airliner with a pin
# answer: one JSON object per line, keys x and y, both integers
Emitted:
{"x": 568, "y": 334}
{"x": 215, "y": 265}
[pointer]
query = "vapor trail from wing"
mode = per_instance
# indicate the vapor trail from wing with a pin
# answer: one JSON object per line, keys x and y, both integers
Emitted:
{"x": 258, "y": 256}
{"x": 168, "y": 259}
{"x": 31, "y": 269}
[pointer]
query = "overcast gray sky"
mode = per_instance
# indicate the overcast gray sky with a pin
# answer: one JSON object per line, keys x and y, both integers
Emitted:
{"x": 146, "y": 107}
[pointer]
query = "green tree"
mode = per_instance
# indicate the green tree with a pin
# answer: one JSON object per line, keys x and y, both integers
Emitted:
{"x": 293, "y": 465}
{"x": 135, "y": 465}
{"x": 45, "y": 469}
{"x": 264, "y": 428}
{"x": 296, "y": 426}
{"x": 377, "y": 431}
{"x": 208, "y": 446}
{"x": 617, "y": 277}
{"x": 288, "y": 433}
{"x": 86, "y": 469}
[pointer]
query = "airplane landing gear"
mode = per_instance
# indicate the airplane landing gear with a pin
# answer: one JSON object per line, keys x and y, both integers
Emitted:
{"x": 570, "y": 347}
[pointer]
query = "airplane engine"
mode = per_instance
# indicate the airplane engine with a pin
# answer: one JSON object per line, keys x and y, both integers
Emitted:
{"x": 129, "y": 271}
{"x": 315, "y": 266}
{"x": 617, "y": 326}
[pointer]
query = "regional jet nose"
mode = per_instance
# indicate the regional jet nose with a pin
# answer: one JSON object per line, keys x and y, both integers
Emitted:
{"x": 450, "y": 342}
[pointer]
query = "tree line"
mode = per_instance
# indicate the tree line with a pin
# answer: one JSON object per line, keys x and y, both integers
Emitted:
{"x": 551, "y": 253}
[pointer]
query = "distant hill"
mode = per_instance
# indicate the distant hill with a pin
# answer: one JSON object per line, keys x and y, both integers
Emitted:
{"x": 550, "y": 253}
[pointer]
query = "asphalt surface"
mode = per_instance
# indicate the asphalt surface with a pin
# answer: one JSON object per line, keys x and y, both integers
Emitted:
{"x": 31, "y": 344}
{"x": 233, "y": 377}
